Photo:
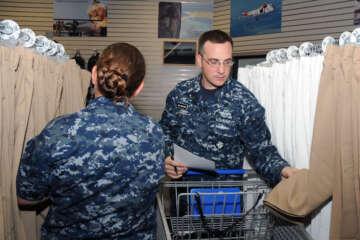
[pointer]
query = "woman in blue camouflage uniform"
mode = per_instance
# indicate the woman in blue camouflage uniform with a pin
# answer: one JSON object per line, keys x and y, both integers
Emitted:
{"x": 100, "y": 166}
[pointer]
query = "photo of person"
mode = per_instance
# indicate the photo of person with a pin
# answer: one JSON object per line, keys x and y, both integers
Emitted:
{"x": 357, "y": 13}
{"x": 98, "y": 15}
{"x": 169, "y": 20}
{"x": 80, "y": 18}
{"x": 184, "y": 20}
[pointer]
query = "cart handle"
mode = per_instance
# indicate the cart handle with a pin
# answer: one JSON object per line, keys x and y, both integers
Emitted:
{"x": 219, "y": 172}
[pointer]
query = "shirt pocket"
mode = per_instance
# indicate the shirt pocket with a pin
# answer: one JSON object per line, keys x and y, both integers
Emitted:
{"x": 224, "y": 127}
{"x": 186, "y": 120}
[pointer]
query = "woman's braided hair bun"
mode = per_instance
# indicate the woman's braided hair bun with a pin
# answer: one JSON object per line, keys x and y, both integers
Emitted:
{"x": 120, "y": 71}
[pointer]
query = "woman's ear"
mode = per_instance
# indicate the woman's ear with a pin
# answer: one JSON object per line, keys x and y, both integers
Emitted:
{"x": 94, "y": 80}
{"x": 138, "y": 90}
{"x": 94, "y": 75}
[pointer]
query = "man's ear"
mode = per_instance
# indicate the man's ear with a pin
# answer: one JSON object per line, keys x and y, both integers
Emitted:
{"x": 198, "y": 60}
{"x": 94, "y": 75}
{"x": 138, "y": 90}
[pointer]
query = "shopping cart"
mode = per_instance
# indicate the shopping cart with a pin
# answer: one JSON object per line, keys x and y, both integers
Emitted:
{"x": 229, "y": 208}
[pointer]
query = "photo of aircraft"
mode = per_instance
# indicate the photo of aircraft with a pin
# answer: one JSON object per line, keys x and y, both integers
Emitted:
{"x": 255, "y": 17}
{"x": 263, "y": 9}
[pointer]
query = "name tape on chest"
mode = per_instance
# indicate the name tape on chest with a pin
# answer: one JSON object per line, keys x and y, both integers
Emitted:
{"x": 182, "y": 106}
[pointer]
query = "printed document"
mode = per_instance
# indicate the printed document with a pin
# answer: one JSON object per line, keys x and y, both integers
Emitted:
{"x": 191, "y": 160}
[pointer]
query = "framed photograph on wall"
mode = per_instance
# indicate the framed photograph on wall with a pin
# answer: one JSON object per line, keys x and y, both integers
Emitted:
{"x": 255, "y": 17}
{"x": 80, "y": 18}
{"x": 179, "y": 52}
{"x": 184, "y": 20}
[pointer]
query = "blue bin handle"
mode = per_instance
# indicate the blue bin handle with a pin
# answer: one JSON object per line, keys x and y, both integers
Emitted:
{"x": 219, "y": 172}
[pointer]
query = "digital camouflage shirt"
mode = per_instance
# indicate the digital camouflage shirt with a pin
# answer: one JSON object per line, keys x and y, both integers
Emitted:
{"x": 100, "y": 167}
{"x": 223, "y": 128}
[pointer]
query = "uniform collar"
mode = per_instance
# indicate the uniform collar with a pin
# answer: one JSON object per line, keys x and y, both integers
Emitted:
{"x": 106, "y": 101}
{"x": 219, "y": 94}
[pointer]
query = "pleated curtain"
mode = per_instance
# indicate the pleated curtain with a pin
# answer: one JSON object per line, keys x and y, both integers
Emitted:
{"x": 33, "y": 90}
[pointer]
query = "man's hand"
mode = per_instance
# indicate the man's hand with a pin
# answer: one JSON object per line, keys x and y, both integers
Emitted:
{"x": 174, "y": 169}
{"x": 287, "y": 172}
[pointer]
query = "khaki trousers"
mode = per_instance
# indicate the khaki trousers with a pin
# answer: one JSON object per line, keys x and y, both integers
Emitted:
{"x": 33, "y": 90}
{"x": 334, "y": 159}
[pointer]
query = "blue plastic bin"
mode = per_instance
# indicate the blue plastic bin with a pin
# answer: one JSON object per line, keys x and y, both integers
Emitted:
{"x": 218, "y": 208}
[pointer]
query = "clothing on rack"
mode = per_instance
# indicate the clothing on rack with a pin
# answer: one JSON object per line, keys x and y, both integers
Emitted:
{"x": 288, "y": 92}
{"x": 92, "y": 61}
{"x": 334, "y": 163}
{"x": 33, "y": 90}
{"x": 79, "y": 60}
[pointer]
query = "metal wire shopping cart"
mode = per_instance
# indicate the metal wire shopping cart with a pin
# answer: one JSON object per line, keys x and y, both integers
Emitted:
{"x": 228, "y": 208}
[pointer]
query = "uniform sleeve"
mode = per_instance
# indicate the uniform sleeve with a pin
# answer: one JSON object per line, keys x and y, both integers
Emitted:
{"x": 159, "y": 168}
{"x": 257, "y": 139}
{"x": 151, "y": 167}
{"x": 168, "y": 122}
{"x": 32, "y": 181}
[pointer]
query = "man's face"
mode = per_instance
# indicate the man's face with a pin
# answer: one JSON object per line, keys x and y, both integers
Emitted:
{"x": 215, "y": 62}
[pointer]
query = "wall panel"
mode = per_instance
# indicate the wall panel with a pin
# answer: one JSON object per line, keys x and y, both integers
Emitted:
{"x": 301, "y": 21}
{"x": 135, "y": 21}
{"x": 132, "y": 21}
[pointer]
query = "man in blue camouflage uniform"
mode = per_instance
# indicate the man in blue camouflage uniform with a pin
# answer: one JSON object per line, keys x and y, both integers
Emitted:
{"x": 216, "y": 117}
{"x": 100, "y": 167}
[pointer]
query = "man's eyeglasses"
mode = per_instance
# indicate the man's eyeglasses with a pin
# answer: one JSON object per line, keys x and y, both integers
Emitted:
{"x": 213, "y": 62}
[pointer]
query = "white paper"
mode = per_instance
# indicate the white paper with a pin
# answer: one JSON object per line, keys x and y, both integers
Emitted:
{"x": 191, "y": 160}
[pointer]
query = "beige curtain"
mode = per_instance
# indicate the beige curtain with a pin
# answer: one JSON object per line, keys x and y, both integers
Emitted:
{"x": 33, "y": 90}
{"x": 334, "y": 159}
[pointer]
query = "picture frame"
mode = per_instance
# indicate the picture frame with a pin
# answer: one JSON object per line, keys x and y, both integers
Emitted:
{"x": 179, "y": 52}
